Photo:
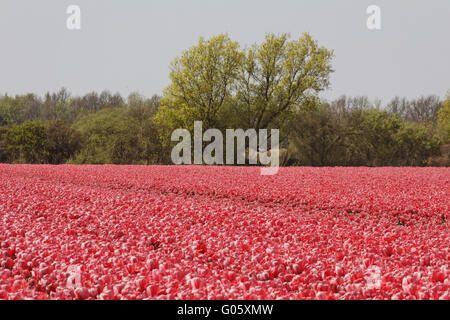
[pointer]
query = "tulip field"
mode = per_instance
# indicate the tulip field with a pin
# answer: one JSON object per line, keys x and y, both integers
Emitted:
{"x": 197, "y": 232}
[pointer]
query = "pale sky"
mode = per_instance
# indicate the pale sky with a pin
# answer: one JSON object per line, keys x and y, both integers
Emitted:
{"x": 127, "y": 45}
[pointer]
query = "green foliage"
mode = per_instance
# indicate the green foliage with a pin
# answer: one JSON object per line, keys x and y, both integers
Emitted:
{"x": 443, "y": 122}
{"x": 18, "y": 109}
{"x": 379, "y": 129}
{"x": 416, "y": 144}
{"x": 37, "y": 142}
{"x": 111, "y": 136}
{"x": 202, "y": 80}
{"x": 6, "y": 111}
{"x": 369, "y": 137}
{"x": 278, "y": 76}
{"x": 4, "y": 152}
{"x": 225, "y": 87}
{"x": 316, "y": 136}
{"x": 58, "y": 111}
{"x": 152, "y": 151}
{"x": 63, "y": 142}
{"x": 27, "y": 142}
{"x": 273, "y": 84}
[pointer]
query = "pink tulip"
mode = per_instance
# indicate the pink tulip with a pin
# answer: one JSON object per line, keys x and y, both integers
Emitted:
{"x": 193, "y": 232}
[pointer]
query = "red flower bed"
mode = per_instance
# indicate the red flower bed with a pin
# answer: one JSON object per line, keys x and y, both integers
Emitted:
{"x": 186, "y": 232}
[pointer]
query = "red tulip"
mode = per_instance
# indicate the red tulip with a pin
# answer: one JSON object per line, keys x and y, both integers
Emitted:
{"x": 192, "y": 232}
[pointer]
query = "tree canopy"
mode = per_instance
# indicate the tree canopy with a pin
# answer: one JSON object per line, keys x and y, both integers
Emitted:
{"x": 274, "y": 84}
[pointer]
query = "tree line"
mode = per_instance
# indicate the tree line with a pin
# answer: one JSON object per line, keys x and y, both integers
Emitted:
{"x": 273, "y": 84}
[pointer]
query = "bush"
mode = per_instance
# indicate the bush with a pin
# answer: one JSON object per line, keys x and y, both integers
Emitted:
{"x": 63, "y": 142}
{"x": 27, "y": 142}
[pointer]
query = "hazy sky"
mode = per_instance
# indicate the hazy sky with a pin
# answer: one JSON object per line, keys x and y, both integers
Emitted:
{"x": 127, "y": 45}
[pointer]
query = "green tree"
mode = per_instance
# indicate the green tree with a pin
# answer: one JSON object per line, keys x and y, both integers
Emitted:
{"x": 63, "y": 142}
{"x": 27, "y": 142}
{"x": 278, "y": 76}
{"x": 378, "y": 129}
{"x": 56, "y": 106}
{"x": 7, "y": 111}
{"x": 143, "y": 110}
{"x": 225, "y": 87}
{"x": 19, "y": 109}
{"x": 316, "y": 136}
{"x": 416, "y": 145}
{"x": 202, "y": 81}
{"x": 443, "y": 122}
{"x": 110, "y": 136}
{"x": 4, "y": 152}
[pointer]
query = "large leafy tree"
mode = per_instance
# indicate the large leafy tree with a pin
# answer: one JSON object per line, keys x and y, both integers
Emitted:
{"x": 316, "y": 136}
{"x": 27, "y": 142}
{"x": 110, "y": 136}
{"x": 416, "y": 145}
{"x": 278, "y": 76}
{"x": 202, "y": 82}
{"x": 142, "y": 111}
{"x": 63, "y": 142}
{"x": 218, "y": 83}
